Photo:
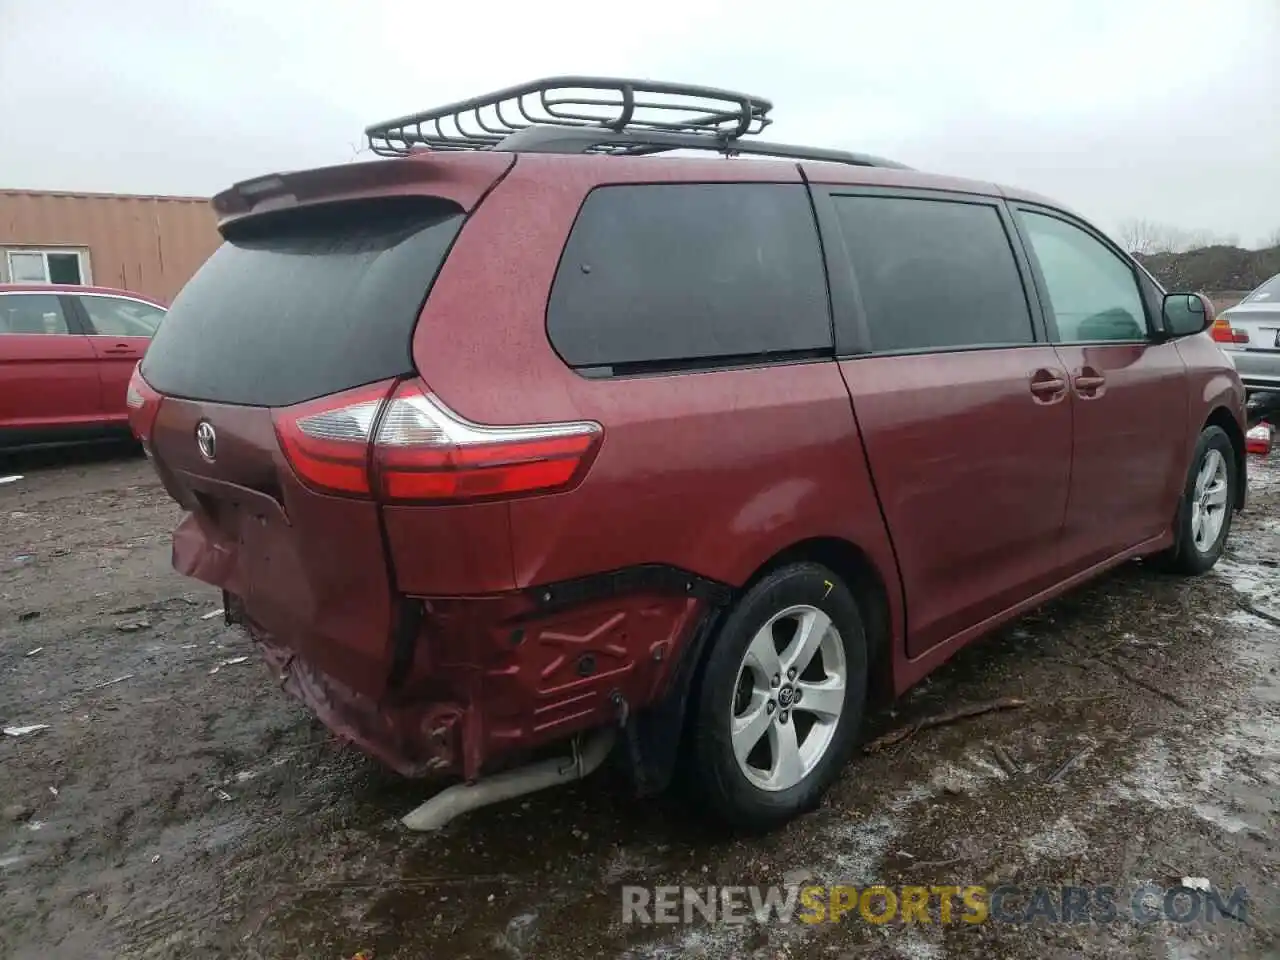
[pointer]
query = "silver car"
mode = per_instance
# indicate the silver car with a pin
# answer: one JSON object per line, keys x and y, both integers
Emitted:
{"x": 1250, "y": 333}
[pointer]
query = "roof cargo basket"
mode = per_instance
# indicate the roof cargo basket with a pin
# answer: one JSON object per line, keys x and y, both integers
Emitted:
{"x": 601, "y": 115}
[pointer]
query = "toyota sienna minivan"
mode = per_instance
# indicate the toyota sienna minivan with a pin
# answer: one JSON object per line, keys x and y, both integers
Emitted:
{"x": 585, "y": 417}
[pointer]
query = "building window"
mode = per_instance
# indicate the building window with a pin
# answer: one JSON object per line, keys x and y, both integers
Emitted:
{"x": 67, "y": 265}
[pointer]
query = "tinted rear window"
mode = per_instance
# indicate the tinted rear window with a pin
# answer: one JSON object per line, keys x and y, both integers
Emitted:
{"x": 934, "y": 274}
{"x": 667, "y": 273}
{"x": 303, "y": 304}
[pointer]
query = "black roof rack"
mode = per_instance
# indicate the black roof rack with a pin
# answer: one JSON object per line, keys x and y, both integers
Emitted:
{"x": 579, "y": 114}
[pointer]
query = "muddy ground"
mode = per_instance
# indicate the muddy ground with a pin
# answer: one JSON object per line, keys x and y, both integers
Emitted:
{"x": 179, "y": 805}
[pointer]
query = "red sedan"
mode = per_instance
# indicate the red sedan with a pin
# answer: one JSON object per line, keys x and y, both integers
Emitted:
{"x": 66, "y": 355}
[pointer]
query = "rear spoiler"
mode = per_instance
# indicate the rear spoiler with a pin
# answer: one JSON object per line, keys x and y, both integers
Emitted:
{"x": 462, "y": 178}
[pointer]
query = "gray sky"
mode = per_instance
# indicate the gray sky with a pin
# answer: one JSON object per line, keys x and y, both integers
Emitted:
{"x": 1157, "y": 109}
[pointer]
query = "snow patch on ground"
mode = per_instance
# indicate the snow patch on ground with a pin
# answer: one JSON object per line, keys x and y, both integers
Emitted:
{"x": 1061, "y": 839}
{"x": 626, "y": 863}
{"x": 1155, "y": 779}
{"x": 1248, "y": 621}
{"x": 1251, "y": 578}
{"x": 855, "y": 848}
{"x": 717, "y": 940}
{"x": 851, "y": 852}
{"x": 912, "y": 946}
{"x": 1264, "y": 475}
{"x": 1223, "y": 772}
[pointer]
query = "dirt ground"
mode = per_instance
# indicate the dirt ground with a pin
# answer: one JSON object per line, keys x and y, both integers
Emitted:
{"x": 179, "y": 805}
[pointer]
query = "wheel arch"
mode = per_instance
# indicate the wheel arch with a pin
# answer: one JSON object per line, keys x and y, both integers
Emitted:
{"x": 858, "y": 571}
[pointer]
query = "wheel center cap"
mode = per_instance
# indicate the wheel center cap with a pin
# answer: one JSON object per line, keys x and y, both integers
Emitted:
{"x": 785, "y": 696}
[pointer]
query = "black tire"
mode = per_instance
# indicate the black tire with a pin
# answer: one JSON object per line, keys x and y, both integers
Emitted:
{"x": 1186, "y": 557}
{"x": 716, "y": 777}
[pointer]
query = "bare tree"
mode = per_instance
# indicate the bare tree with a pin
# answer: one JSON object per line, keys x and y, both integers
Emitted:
{"x": 1195, "y": 240}
{"x": 1272, "y": 240}
{"x": 1199, "y": 239}
{"x": 1139, "y": 236}
{"x": 1147, "y": 237}
{"x": 1168, "y": 239}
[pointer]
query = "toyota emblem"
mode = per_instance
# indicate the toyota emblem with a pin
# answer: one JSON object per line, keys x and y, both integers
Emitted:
{"x": 207, "y": 440}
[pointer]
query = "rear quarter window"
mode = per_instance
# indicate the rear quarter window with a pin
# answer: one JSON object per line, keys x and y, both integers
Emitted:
{"x": 665, "y": 275}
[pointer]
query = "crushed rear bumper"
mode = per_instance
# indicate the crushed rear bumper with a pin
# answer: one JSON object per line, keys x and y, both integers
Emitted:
{"x": 500, "y": 675}
{"x": 415, "y": 741}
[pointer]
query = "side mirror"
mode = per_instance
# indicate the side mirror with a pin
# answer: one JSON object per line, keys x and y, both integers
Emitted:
{"x": 1186, "y": 314}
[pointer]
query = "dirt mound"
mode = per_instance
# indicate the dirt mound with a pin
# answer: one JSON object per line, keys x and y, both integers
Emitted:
{"x": 1213, "y": 268}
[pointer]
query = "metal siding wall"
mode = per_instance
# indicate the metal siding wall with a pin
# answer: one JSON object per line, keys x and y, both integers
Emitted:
{"x": 150, "y": 245}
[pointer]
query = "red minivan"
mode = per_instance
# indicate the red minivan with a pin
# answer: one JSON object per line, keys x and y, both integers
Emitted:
{"x": 66, "y": 356}
{"x": 525, "y": 435}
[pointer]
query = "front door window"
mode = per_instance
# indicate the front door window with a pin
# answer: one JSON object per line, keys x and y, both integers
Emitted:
{"x": 1093, "y": 295}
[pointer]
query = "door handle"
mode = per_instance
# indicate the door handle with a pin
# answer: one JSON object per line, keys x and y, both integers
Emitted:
{"x": 120, "y": 350}
{"x": 1048, "y": 385}
{"x": 1089, "y": 383}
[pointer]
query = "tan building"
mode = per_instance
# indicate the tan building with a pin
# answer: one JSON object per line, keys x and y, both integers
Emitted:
{"x": 149, "y": 245}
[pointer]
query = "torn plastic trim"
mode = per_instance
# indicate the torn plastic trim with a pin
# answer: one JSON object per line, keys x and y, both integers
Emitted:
{"x": 657, "y": 731}
{"x": 656, "y": 577}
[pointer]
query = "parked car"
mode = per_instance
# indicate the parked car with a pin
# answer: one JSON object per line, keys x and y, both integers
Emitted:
{"x": 66, "y": 356}
{"x": 537, "y": 437}
{"x": 1250, "y": 333}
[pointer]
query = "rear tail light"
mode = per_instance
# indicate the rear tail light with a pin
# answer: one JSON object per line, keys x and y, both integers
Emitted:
{"x": 143, "y": 404}
{"x": 400, "y": 443}
{"x": 1222, "y": 332}
{"x": 1258, "y": 440}
{"x": 327, "y": 440}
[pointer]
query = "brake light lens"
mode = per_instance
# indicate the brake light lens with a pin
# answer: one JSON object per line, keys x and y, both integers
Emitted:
{"x": 1222, "y": 332}
{"x": 327, "y": 441}
{"x": 143, "y": 404}
{"x": 1258, "y": 440}
{"x": 426, "y": 453}
{"x": 423, "y": 452}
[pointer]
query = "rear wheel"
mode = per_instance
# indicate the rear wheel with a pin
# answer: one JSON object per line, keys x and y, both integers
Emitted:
{"x": 1208, "y": 501}
{"x": 781, "y": 699}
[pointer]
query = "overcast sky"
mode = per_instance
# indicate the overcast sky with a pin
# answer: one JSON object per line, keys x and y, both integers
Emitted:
{"x": 1157, "y": 109}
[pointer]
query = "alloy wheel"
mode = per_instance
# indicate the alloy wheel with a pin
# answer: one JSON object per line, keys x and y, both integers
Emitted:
{"x": 1209, "y": 501}
{"x": 789, "y": 697}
